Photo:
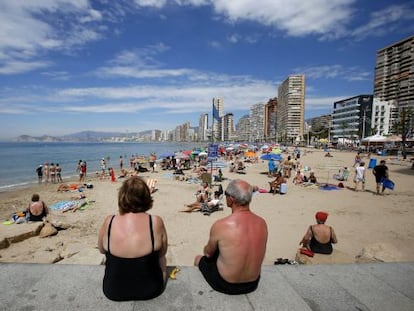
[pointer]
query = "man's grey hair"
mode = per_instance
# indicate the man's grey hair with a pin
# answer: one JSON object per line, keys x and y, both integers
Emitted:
{"x": 241, "y": 194}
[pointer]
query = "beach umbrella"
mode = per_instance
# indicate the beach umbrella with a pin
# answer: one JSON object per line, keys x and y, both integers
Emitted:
{"x": 377, "y": 138}
{"x": 187, "y": 152}
{"x": 271, "y": 156}
{"x": 167, "y": 154}
{"x": 250, "y": 154}
{"x": 276, "y": 151}
{"x": 181, "y": 155}
{"x": 202, "y": 154}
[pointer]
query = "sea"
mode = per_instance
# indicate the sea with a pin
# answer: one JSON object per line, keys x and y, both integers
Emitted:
{"x": 19, "y": 160}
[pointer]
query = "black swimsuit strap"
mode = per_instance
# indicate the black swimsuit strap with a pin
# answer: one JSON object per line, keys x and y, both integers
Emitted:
{"x": 151, "y": 231}
{"x": 109, "y": 231}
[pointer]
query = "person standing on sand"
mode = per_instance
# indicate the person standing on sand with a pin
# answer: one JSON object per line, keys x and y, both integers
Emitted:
{"x": 59, "y": 173}
{"x": 46, "y": 172}
{"x": 234, "y": 254}
{"x": 380, "y": 171}
{"x": 152, "y": 159}
{"x": 121, "y": 163}
{"x": 39, "y": 172}
{"x": 52, "y": 170}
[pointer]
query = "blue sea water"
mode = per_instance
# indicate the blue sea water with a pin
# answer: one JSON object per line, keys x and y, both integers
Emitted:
{"x": 18, "y": 161}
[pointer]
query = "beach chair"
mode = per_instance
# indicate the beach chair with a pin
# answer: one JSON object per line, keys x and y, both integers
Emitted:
{"x": 151, "y": 183}
{"x": 206, "y": 177}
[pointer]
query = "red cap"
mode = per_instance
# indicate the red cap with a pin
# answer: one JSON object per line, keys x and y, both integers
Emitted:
{"x": 321, "y": 216}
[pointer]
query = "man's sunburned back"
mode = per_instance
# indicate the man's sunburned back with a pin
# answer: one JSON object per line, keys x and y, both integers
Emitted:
{"x": 242, "y": 238}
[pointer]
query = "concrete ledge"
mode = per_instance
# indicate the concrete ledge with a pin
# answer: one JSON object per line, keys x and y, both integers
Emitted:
{"x": 374, "y": 286}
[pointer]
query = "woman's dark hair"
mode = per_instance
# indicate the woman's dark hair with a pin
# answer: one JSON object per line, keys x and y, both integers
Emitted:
{"x": 35, "y": 197}
{"x": 134, "y": 196}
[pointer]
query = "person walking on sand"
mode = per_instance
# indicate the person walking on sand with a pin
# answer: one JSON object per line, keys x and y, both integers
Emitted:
{"x": 234, "y": 253}
{"x": 381, "y": 172}
{"x": 360, "y": 176}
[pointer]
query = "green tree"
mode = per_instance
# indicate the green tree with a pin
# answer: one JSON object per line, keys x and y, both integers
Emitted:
{"x": 404, "y": 127}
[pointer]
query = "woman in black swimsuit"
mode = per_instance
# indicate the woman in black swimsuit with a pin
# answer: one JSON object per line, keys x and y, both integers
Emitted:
{"x": 135, "y": 245}
{"x": 320, "y": 237}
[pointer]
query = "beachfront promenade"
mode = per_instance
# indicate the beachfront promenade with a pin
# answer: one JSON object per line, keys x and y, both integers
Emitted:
{"x": 372, "y": 286}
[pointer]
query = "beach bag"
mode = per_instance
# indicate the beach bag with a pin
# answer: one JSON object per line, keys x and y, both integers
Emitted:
{"x": 283, "y": 188}
{"x": 306, "y": 252}
{"x": 387, "y": 183}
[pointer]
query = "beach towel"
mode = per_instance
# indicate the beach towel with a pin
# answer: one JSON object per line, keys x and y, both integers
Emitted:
{"x": 329, "y": 187}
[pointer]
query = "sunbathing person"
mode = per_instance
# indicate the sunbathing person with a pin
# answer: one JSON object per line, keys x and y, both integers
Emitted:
{"x": 343, "y": 174}
{"x": 311, "y": 180}
{"x": 275, "y": 184}
{"x": 197, "y": 206}
{"x": 298, "y": 179}
{"x": 202, "y": 195}
{"x": 319, "y": 238}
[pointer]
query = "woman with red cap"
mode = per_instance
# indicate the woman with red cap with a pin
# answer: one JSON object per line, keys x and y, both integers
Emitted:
{"x": 319, "y": 238}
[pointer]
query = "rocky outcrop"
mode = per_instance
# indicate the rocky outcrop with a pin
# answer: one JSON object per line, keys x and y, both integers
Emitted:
{"x": 18, "y": 233}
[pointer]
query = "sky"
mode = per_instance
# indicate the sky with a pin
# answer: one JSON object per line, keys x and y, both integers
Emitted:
{"x": 127, "y": 66}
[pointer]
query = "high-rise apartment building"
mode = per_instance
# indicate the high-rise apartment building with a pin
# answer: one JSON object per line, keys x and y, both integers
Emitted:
{"x": 291, "y": 109}
{"x": 243, "y": 128}
{"x": 393, "y": 84}
{"x": 227, "y": 124}
{"x": 270, "y": 119}
{"x": 257, "y": 114}
{"x": 217, "y": 115}
{"x": 203, "y": 127}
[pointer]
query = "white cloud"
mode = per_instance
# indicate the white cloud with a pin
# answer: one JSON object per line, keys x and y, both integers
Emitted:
{"x": 295, "y": 17}
{"x": 334, "y": 71}
{"x": 13, "y": 67}
{"x": 31, "y": 28}
{"x": 151, "y": 3}
{"x": 384, "y": 21}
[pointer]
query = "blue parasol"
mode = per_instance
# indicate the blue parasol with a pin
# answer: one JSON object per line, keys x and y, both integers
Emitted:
{"x": 271, "y": 156}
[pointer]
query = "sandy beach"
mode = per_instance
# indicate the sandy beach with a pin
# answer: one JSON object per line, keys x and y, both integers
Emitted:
{"x": 360, "y": 219}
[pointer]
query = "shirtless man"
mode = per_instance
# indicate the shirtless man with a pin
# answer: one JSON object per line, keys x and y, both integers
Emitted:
{"x": 236, "y": 247}
{"x": 37, "y": 209}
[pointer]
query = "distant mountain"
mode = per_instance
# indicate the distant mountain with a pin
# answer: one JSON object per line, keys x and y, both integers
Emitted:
{"x": 44, "y": 138}
{"x": 85, "y": 136}
{"x": 94, "y": 136}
